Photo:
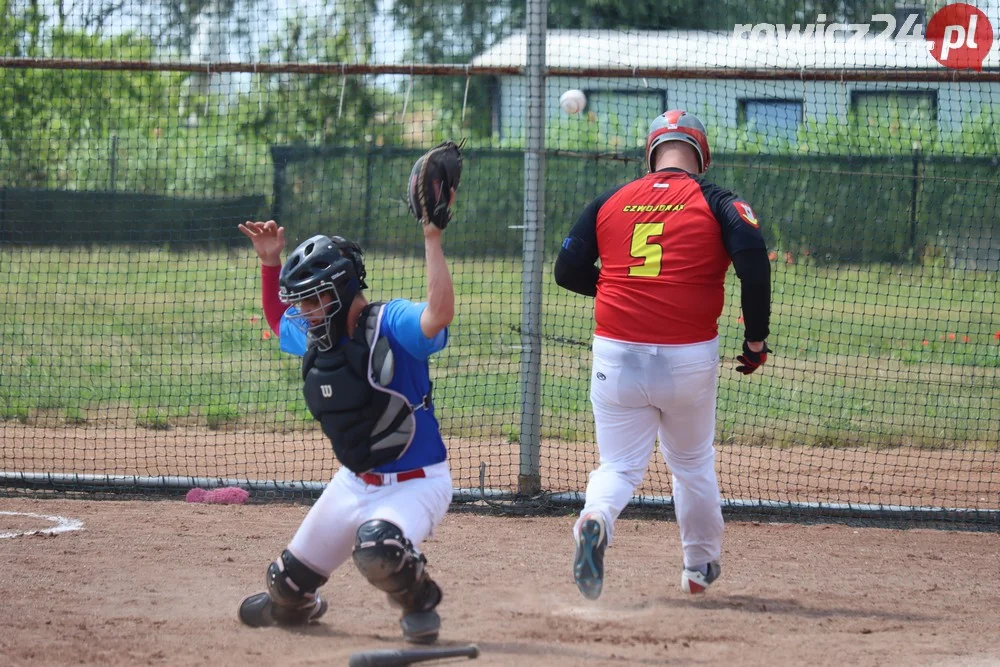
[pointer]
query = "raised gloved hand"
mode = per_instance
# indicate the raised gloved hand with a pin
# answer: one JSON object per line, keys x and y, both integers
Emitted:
{"x": 433, "y": 180}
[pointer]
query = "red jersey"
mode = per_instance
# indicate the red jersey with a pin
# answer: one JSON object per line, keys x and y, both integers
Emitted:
{"x": 665, "y": 242}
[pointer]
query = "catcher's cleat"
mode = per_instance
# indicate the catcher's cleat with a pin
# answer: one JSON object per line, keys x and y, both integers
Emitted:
{"x": 694, "y": 582}
{"x": 588, "y": 563}
{"x": 420, "y": 623}
{"x": 421, "y": 627}
{"x": 259, "y": 611}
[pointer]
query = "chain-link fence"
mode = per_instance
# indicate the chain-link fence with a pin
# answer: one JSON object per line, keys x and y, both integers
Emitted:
{"x": 134, "y": 137}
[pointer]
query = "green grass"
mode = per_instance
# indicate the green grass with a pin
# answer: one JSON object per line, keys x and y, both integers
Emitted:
{"x": 172, "y": 339}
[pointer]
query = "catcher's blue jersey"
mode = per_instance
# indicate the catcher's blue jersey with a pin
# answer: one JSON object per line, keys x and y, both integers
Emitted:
{"x": 411, "y": 348}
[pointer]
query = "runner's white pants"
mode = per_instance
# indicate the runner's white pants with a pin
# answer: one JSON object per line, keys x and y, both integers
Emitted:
{"x": 327, "y": 535}
{"x": 638, "y": 392}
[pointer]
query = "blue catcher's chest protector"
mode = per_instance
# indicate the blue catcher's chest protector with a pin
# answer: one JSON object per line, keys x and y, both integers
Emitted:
{"x": 346, "y": 390}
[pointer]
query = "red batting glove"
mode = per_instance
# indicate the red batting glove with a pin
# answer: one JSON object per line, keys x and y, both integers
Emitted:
{"x": 750, "y": 360}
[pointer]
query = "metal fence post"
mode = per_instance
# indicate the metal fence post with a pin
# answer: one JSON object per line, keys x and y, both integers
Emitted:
{"x": 369, "y": 177}
{"x": 279, "y": 156}
{"x": 911, "y": 242}
{"x": 4, "y": 236}
{"x": 529, "y": 474}
{"x": 113, "y": 175}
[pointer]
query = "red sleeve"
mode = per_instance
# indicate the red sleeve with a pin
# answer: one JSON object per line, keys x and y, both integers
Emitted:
{"x": 273, "y": 308}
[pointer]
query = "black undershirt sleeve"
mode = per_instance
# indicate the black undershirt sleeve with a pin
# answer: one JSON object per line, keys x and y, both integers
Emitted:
{"x": 581, "y": 279}
{"x": 754, "y": 271}
{"x": 575, "y": 269}
{"x": 746, "y": 247}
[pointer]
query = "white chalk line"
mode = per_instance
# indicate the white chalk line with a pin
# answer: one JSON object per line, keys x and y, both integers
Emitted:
{"x": 63, "y": 525}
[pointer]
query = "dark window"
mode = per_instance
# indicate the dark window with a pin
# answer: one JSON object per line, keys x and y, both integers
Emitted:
{"x": 771, "y": 118}
{"x": 911, "y": 107}
{"x": 623, "y": 116}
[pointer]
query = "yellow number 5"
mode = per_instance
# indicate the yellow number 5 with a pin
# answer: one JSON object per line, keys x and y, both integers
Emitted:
{"x": 651, "y": 254}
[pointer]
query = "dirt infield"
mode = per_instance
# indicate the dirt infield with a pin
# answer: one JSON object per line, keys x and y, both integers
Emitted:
{"x": 158, "y": 583}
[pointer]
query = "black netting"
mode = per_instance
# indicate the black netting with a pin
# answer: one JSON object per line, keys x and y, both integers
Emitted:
{"x": 134, "y": 137}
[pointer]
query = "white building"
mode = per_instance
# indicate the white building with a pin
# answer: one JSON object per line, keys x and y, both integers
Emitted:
{"x": 774, "y": 108}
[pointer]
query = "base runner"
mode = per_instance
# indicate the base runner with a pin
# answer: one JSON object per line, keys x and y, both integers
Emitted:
{"x": 665, "y": 242}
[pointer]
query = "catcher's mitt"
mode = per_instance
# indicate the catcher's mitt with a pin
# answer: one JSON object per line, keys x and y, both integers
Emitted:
{"x": 431, "y": 181}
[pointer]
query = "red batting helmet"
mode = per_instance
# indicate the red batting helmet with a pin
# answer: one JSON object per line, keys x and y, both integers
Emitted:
{"x": 679, "y": 125}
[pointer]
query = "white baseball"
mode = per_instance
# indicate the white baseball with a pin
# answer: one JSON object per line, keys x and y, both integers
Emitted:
{"x": 573, "y": 101}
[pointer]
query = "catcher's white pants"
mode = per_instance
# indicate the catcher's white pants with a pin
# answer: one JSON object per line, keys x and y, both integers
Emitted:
{"x": 638, "y": 392}
{"x": 327, "y": 535}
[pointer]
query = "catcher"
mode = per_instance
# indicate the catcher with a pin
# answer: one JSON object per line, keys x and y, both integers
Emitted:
{"x": 366, "y": 381}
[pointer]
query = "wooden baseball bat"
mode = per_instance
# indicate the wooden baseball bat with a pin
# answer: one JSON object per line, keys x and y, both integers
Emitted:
{"x": 398, "y": 657}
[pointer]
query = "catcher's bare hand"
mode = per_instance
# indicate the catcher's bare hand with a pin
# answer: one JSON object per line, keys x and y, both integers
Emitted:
{"x": 433, "y": 183}
{"x": 268, "y": 240}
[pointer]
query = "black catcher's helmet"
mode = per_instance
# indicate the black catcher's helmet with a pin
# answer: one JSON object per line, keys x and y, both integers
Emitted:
{"x": 323, "y": 264}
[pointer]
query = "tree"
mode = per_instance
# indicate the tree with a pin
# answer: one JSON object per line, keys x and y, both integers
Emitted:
{"x": 317, "y": 109}
{"x": 46, "y": 115}
{"x": 176, "y": 24}
{"x": 92, "y": 14}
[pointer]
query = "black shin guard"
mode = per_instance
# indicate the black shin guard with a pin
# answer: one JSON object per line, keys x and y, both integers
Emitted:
{"x": 292, "y": 584}
{"x": 290, "y": 599}
{"x": 390, "y": 563}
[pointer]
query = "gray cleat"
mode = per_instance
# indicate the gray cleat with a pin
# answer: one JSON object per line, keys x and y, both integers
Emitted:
{"x": 588, "y": 563}
{"x": 694, "y": 582}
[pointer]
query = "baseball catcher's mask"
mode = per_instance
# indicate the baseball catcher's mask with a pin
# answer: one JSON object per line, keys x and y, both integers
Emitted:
{"x": 679, "y": 125}
{"x": 322, "y": 265}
